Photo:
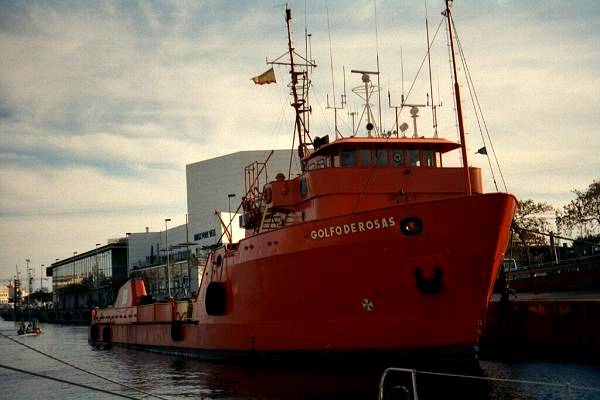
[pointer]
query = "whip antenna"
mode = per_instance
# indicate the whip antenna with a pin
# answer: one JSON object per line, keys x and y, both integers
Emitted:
{"x": 378, "y": 70}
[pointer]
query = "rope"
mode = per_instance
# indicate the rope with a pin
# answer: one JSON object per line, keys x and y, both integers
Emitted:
{"x": 373, "y": 167}
{"x": 80, "y": 369}
{"x": 67, "y": 382}
{"x": 471, "y": 87}
{"x": 423, "y": 61}
{"x": 468, "y": 75}
{"x": 489, "y": 378}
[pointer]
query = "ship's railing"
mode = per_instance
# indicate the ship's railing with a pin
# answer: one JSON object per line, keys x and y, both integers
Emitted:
{"x": 567, "y": 388}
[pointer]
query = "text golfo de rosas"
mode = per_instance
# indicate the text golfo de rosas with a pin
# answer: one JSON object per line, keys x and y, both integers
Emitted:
{"x": 354, "y": 227}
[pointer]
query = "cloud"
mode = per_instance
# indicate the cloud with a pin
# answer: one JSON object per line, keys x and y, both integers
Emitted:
{"x": 102, "y": 104}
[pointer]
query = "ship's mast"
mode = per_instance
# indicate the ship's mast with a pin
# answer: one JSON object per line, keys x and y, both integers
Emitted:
{"x": 300, "y": 85}
{"x": 461, "y": 128}
{"x": 299, "y": 104}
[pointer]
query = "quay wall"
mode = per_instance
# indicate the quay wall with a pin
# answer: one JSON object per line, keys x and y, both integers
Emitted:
{"x": 562, "y": 328}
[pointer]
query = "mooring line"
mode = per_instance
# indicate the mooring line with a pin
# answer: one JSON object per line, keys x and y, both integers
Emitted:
{"x": 67, "y": 382}
{"x": 81, "y": 369}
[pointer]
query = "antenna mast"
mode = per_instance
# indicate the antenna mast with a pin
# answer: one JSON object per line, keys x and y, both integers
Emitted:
{"x": 461, "y": 128}
{"x": 433, "y": 106}
{"x": 335, "y": 108}
{"x": 299, "y": 86}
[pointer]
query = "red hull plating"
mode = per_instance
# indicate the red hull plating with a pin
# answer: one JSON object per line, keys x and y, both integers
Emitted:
{"x": 353, "y": 282}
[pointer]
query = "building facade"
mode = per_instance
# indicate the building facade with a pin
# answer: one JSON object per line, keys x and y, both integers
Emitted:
{"x": 170, "y": 261}
{"x": 215, "y": 188}
{"x": 4, "y": 294}
{"x": 91, "y": 278}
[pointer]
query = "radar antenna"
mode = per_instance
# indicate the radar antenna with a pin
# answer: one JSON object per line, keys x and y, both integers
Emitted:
{"x": 364, "y": 92}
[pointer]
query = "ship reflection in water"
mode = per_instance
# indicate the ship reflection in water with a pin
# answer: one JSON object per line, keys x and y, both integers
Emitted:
{"x": 177, "y": 377}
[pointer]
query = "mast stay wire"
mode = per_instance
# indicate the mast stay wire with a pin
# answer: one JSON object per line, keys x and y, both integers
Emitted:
{"x": 358, "y": 200}
{"x": 433, "y": 108}
{"x": 471, "y": 83}
{"x": 412, "y": 85}
{"x": 81, "y": 369}
{"x": 475, "y": 112}
{"x": 378, "y": 70}
{"x": 451, "y": 85}
{"x": 67, "y": 382}
{"x": 331, "y": 65}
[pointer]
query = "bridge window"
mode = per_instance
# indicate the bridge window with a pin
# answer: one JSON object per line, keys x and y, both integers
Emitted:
{"x": 428, "y": 160}
{"x": 397, "y": 158}
{"x": 321, "y": 162}
{"x": 335, "y": 160}
{"x": 413, "y": 158}
{"x": 348, "y": 158}
{"x": 365, "y": 157}
{"x": 381, "y": 158}
{"x": 438, "y": 159}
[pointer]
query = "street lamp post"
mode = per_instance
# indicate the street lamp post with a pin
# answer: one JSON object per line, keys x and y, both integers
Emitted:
{"x": 187, "y": 253}
{"x": 167, "y": 250}
{"x": 29, "y": 281}
{"x": 75, "y": 302}
{"x": 96, "y": 273}
{"x": 41, "y": 274}
{"x": 127, "y": 234}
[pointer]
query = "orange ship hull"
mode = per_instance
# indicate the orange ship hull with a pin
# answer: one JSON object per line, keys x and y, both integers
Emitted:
{"x": 372, "y": 280}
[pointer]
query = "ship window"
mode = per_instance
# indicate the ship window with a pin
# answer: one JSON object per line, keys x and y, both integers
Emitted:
{"x": 321, "y": 163}
{"x": 348, "y": 158}
{"x": 365, "y": 157}
{"x": 381, "y": 156}
{"x": 310, "y": 166}
{"x": 413, "y": 158}
{"x": 335, "y": 160}
{"x": 438, "y": 159}
{"x": 397, "y": 158}
{"x": 428, "y": 160}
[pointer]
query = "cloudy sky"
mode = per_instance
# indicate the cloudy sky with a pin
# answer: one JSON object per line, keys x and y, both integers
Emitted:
{"x": 103, "y": 103}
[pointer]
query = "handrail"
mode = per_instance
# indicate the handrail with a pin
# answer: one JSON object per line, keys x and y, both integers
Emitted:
{"x": 567, "y": 386}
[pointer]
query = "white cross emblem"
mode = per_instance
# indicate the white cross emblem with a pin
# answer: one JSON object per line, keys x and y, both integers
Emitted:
{"x": 368, "y": 305}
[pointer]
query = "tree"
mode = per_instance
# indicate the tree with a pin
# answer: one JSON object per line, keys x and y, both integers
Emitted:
{"x": 41, "y": 295}
{"x": 583, "y": 212}
{"x": 529, "y": 218}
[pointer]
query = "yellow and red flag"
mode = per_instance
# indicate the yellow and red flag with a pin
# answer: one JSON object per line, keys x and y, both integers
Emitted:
{"x": 265, "y": 77}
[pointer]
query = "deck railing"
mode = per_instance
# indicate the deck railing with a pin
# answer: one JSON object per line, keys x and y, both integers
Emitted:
{"x": 567, "y": 388}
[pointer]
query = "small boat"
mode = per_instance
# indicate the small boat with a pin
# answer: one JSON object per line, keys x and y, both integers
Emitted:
{"x": 32, "y": 329}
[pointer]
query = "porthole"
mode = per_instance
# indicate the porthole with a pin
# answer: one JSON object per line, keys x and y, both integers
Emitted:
{"x": 411, "y": 226}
